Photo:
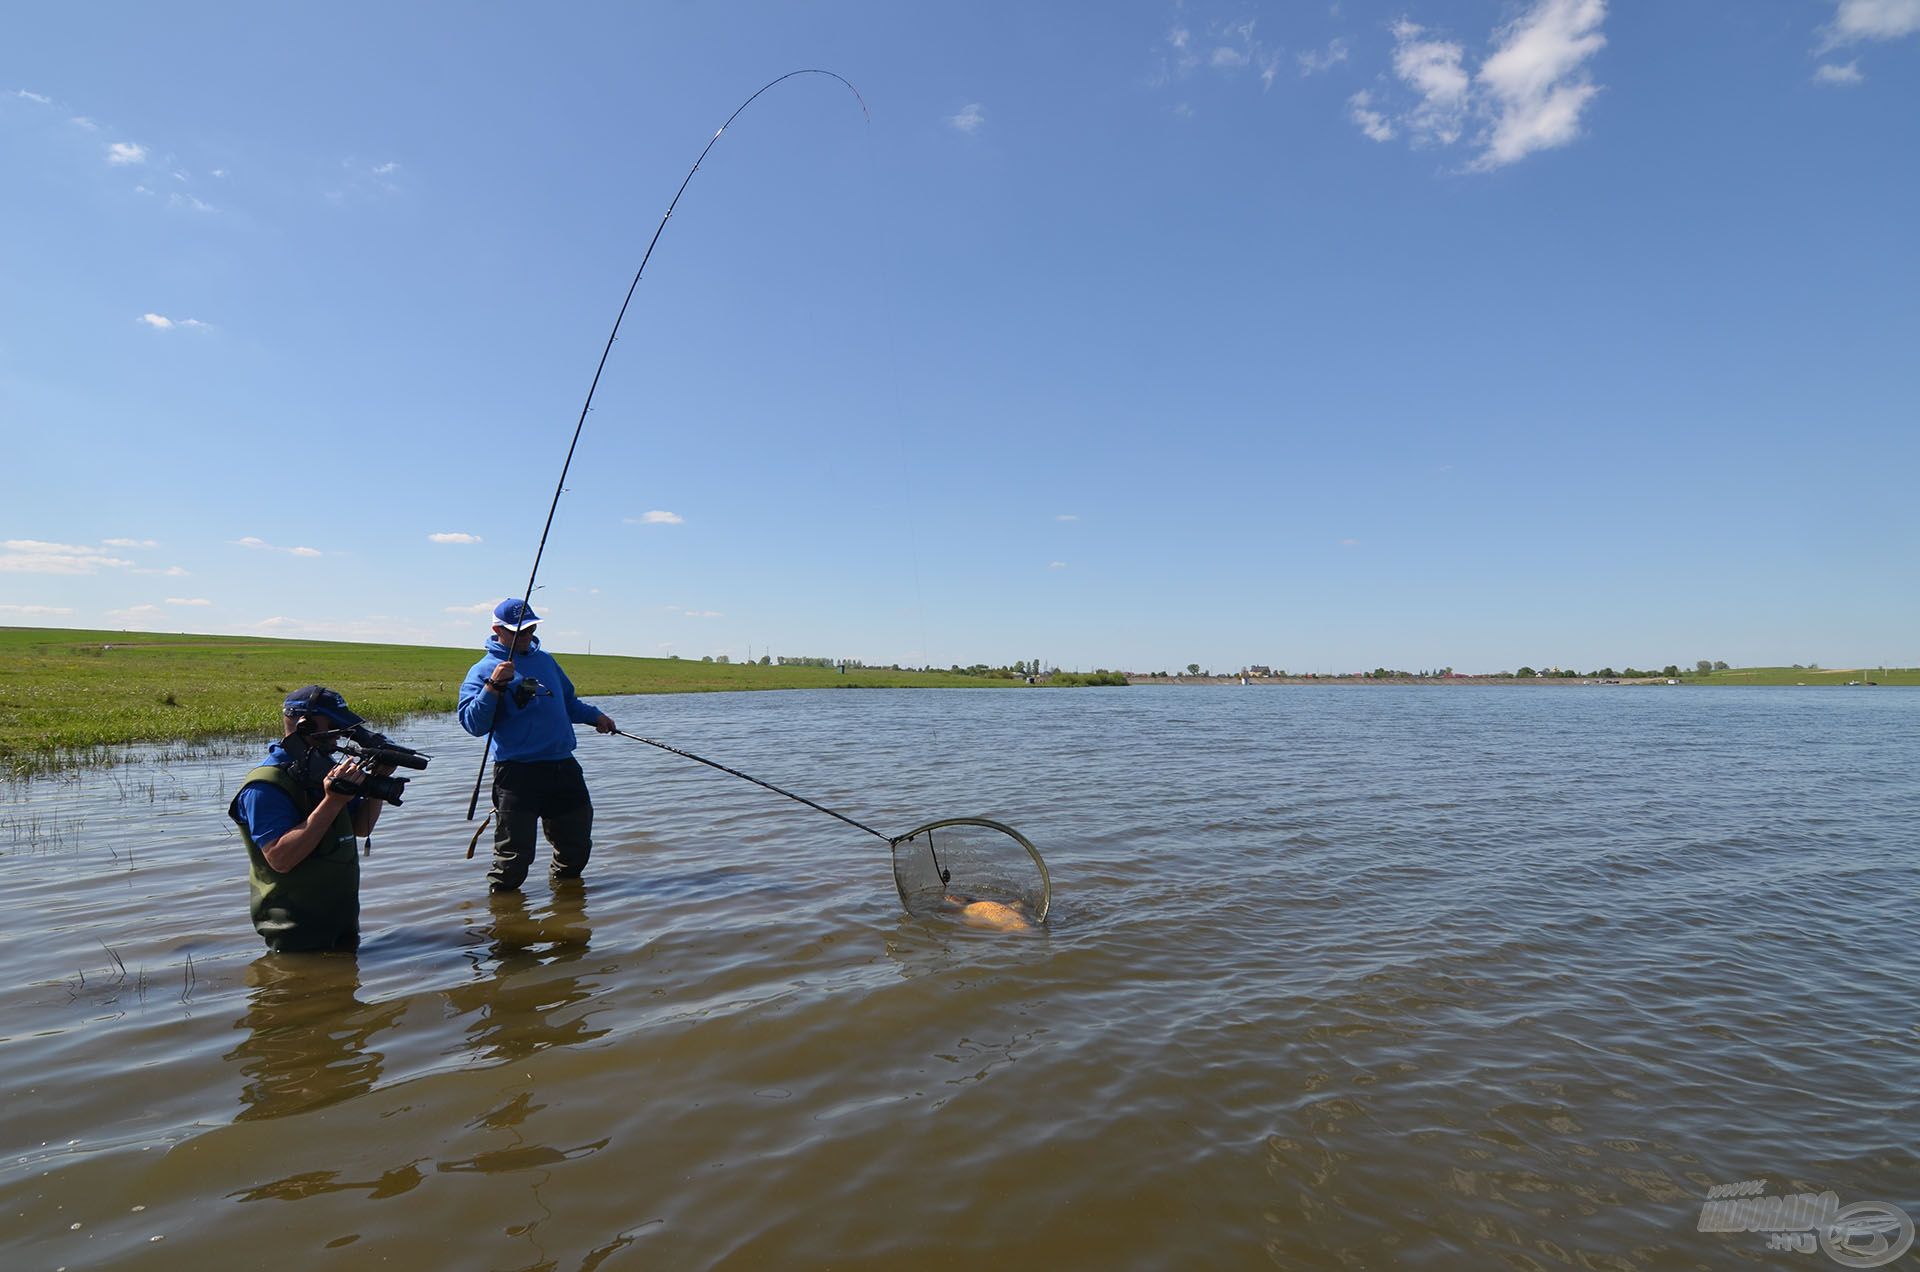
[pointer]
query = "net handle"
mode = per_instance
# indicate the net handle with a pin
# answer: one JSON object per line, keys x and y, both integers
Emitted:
{"x": 748, "y": 777}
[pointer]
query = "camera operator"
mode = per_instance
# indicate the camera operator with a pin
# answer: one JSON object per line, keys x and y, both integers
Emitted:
{"x": 300, "y": 832}
{"x": 519, "y": 694}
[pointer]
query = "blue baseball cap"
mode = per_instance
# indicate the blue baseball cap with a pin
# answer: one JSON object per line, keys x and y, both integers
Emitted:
{"x": 318, "y": 700}
{"x": 514, "y": 614}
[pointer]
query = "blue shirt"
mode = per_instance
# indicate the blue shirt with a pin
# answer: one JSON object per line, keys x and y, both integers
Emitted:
{"x": 541, "y": 730}
{"x": 267, "y": 810}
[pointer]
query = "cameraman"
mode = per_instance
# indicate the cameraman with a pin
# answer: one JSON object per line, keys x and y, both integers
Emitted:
{"x": 300, "y": 834}
{"x": 519, "y": 694}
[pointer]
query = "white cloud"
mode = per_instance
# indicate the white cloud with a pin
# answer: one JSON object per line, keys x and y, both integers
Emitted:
{"x": 1432, "y": 67}
{"x": 1349, "y": 543}
{"x": 969, "y": 118}
{"x": 177, "y": 200}
{"x": 1066, "y": 516}
{"x": 124, "y": 152}
{"x": 1535, "y": 81}
{"x": 1855, "y": 20}
{"x": 704, "y": 614}
{"x": 656, "y": 518}
{"x": 82, "y": 121}
{"x": 30, "y": 611}
{"x": 251, "y": 542}
{"x": 383, "y": 628}
{"x": 36, "y": 556}
{"x": 1372, "y": 122}
{"x": 160, "y": 322}
{"x": 1180, "y": 41}
{"x": 131, "y": 543}
{"x": 1183, "y": 110}
{"x": 1228, "y": 47}
{"x": 41, "y": 545}
{"x": 1847, "y": 74}
{"x": 219, "y": 172}
{"x": 1056, "y": 565}
{"x": 33, "y": 97}
{"x": 188, "y": 600}
{"x": 453, "y": 536}
{"x": 483, "y": 607}
{"x": 1527, "y": 95}
{"x": 172, "y": 572}
{"x": 1313, "y": 62}
{"x": 361, "y": 182}
{"x": 137, "y": 614}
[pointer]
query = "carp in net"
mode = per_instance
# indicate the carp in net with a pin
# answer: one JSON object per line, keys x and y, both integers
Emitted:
{"x": 985, "y": 873}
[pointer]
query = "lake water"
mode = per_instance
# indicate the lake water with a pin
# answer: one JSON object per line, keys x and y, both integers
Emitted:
{"x": 1335, "y": 977}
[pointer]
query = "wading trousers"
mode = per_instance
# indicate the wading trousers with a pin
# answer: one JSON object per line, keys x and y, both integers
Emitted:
{"x": 551, "y": 794}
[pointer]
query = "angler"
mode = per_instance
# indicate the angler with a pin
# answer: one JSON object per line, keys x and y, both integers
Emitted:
{"x": 518, "y": 697}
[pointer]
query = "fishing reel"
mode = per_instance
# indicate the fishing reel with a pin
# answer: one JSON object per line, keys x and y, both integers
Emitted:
{"x": 525, "y": 690}
{"x": 315, "y": 754}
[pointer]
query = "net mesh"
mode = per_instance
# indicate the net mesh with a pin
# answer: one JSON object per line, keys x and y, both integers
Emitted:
{"x": 993, "y": 877}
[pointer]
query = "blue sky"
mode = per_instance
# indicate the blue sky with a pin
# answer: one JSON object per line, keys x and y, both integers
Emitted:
{"x": 1317, "y": 335}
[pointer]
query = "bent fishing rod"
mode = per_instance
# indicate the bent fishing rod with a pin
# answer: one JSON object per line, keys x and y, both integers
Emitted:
{"x": 526, "y": 596}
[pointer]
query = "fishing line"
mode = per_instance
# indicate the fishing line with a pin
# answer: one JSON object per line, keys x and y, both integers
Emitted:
{"x": 559, "y": 486}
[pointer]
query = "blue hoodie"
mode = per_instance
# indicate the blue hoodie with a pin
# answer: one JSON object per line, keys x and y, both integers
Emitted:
{"x": 541, "y": 730}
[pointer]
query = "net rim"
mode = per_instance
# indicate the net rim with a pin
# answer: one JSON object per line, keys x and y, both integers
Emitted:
{"x": 1046, "y": 879}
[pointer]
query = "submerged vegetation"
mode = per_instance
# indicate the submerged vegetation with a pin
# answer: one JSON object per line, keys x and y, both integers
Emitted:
{"x": 67, "y": 696}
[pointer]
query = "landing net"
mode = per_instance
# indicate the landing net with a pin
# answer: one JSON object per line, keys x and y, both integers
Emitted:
{"x": 981, "y": 872}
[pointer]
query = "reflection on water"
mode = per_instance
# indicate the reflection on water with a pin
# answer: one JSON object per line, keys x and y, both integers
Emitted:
{"x": 1333, "y": 978}
{"x": 307, "y": 1034}
{"x": 524, "y": 995}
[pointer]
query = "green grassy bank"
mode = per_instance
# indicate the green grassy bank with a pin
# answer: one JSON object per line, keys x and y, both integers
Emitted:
{"x": 66, "y": 695}
{"x": 1807, "y": 676}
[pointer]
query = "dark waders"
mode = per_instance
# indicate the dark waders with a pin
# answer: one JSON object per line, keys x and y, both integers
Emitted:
{"x": 539, "y": 793}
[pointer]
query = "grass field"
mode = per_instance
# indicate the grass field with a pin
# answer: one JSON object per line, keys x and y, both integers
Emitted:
{"x": 1806, "y": 676}
{"x": 70, "y": 696}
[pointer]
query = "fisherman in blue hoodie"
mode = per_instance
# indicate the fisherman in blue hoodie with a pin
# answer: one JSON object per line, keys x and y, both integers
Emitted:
{"x": 519, "y": 693}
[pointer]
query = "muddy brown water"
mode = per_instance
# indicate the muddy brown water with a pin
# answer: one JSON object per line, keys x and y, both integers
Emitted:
{"x": 1335, "y": 978}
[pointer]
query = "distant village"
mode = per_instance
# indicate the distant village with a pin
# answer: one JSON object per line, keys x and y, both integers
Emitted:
{"x": 1259, "y": 672}
{"x": 1037, "y": 671}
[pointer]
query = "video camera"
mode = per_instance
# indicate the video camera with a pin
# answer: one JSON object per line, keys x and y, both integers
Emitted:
{"x": 312, "y": 763}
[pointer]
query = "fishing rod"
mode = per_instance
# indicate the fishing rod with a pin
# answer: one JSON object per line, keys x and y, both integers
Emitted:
{"x": 526, "y": 596}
